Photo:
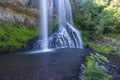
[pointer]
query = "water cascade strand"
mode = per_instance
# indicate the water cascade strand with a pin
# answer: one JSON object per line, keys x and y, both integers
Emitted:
{"x": 43, "y": 23}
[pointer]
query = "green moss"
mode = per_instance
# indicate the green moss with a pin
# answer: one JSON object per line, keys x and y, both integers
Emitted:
{"x": 13, "y": 38}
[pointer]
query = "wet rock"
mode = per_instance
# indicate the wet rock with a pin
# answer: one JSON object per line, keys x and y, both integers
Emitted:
{"x": 114, "y": 66}
{"x": 65, "y": 35}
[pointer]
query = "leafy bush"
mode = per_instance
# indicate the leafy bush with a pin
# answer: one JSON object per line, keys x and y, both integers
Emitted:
{"x": 95, "y": 69}
{"x": 13, "y": 38}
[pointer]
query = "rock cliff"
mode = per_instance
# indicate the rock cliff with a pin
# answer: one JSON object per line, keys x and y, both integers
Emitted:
{"x": 19, "y": 11}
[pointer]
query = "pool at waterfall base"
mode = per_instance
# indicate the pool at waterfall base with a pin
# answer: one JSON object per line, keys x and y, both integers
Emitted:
{"x": 60, "y": 64}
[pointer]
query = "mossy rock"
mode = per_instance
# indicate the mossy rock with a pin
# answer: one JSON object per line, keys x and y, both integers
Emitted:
{"x": 14, "y": 38}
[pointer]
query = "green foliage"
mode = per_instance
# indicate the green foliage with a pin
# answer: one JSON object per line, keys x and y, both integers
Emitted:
{"x": 96, "y": 47}
{"x": 99, "y": 48}
{"x": 115, "y": 50}
{"x": 85, "y": 18}
{"x": 111, "y": 47}
{"x": 106, "y": 22}
{"x": 13, "y": 38}
{"x": 116, "y": 36}
{"x": 95, "y": 69}
{"x": 97, "y": 17}
{"x": 85, "y": 40}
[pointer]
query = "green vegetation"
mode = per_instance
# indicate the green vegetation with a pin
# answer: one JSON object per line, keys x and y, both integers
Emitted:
{"x": 95, "y": 69}
{"x": 100, "y": 48}
{"x": 116, "y": 36}
{"x": 13, "y": 38}
{"x": 99, "y": 23}
{"x": 107, "y": 45}
{"x": 97, "y": 19}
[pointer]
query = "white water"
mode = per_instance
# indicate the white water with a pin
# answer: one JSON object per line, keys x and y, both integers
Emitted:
{"x": 65, "y": 36}
{"x": 43, "y": 23}
{"x": 65, "y": 11}
{"x": 62, "y": 10}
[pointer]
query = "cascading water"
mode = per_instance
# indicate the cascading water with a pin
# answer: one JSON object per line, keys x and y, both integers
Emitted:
{"x": 64, "y": 11}
{"x": 64, "y": 35}
{"x": 43, "y": 23}
{"x": 62, "y": 8}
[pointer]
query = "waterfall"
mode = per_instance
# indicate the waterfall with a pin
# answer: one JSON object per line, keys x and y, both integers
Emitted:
{"x": 64, "y": 35}
{"x": 43, "y": 16}
{"x": 63, "y": 9}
